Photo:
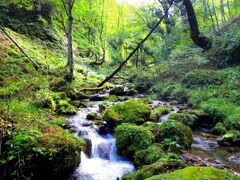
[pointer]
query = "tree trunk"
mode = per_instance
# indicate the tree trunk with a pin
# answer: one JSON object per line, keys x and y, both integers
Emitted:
{"x": 201, "y": 41}
{"x": 222, "y": 11}
{"x": 70, "y": 63}
{"x": 215, "y": 15}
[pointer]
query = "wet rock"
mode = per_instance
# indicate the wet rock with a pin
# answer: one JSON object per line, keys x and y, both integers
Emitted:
{"x": 91, "y": 116}
{"x": 87, "y": 123}
{"x": 118, "y": 91}
{"x": 235, "y": 159}
{"x": 82, "y": 133}
{"x": 131, "y": 92}
{"x": 79, "y": 104}
{"x": 231, "y": 138}
{"x": 88, "y": 147}
{"x": 97, "y": 97}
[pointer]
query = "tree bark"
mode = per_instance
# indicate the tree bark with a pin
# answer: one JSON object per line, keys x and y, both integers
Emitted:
{"x": 201, "y": 41}
{"x": 70, "y": 63}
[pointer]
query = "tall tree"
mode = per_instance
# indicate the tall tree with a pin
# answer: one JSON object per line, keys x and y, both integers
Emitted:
{"x": 68, "y": 6}
{"x": 201, "y": 41}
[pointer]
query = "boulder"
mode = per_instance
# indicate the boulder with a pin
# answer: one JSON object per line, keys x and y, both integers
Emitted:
{"x": 197, "y": 172}
{"x": 97, "y": 97}
{"x": 131, "y": 138}
{"x": 118, "y": 91}
{"x": 130, "y": 111}
{"x": 185, "y": 118}
{"x": 231, "y": 138}
{"x": 219, "y": 129}
{"x": 91, "y": 116}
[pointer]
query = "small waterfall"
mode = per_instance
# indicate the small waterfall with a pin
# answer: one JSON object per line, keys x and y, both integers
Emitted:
{"x": 104, "y": 162}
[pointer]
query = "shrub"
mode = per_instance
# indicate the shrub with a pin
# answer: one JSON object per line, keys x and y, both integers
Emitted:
{"x": 201, "y": 78}
{"x": 185, "y": 118}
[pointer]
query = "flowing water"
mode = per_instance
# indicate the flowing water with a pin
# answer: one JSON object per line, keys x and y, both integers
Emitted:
{"x": 104, "y": 163}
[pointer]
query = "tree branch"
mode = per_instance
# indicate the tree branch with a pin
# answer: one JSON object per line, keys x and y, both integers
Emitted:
{"x": 36, "y": 66}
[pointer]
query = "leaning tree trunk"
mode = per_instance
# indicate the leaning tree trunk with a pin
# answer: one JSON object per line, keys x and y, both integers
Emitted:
{"x": 201, "y": 41}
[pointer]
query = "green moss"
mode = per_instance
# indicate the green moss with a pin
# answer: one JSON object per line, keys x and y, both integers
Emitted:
{"x": 63, "y": 107}
{"x": 232, "y": 121}
{"x": 160, "y": 111}
{"x": 172, "y": 134}
{"x": 185, "y": 118}
{"x": 231, "y": 138}
{"x": 154, "y": 169}
{"x": 91, "y": 116}
{"x": 132, "y": 138}
{"x": 112, "y": 98}
{"x": 197, "y": 173}
{"x": 132, "y": 111}
{"x": 219, "y": 129}
{"x": 148, "y": 156}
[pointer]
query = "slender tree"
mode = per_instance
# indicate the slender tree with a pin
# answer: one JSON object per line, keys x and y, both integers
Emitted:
{"x": 68, "y": 6}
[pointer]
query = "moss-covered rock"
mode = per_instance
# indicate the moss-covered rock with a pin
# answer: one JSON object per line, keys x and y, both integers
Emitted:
{"x": 185, "y": 118}
{"x": 91, "y": 116}
{"x": 154, "y": 169}
{"x": 44, "y": 150}
{"x": 118, "y": 91}
{"x": 149, "y": 155}
{"x": 219, "y": 129}
{"x": 198, "y": 173}
{"x": 173, "y": 135}
{"x": 131, "y": 138}
{"x": 112, "y": 98}
{"x": 130, "y": 111}
{"x": 63, "y": 107}
{"x": 231, "y": 138}
{"x": 160, "y": 111}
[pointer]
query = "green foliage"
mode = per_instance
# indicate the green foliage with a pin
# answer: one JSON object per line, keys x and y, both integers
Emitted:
{"x": 130, "y": 111}
{"x": 219, "y": 129}
{"x": 201, "y": 77}
{"x": 132, "y": 138}
{"x": 198, "y": 173}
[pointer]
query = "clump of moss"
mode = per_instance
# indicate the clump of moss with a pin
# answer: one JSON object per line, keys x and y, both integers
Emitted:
{"x": 195, "y": 172}
{"x": 112, "y": 98}
{"x": 173, "y": 132}
{"x": 63, "y": 107}
{"x": 231, "y": 138}
{"x": 130, "y": 111}
{"x": 160, "y": 111}
{"x": 131, "y": 138}
{"x": 156, "y": 168}
{"x": 185, "y": 118}
{"x": 91, "y": 116}
{"x": 148, "y": 156}
{"x": 219, "y": 129}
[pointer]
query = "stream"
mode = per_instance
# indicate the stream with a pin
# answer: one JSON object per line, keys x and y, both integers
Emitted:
{"x": 104, "y": 163}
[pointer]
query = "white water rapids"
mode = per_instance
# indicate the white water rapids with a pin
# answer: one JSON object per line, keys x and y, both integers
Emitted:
{"x": 104, "y": 162}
